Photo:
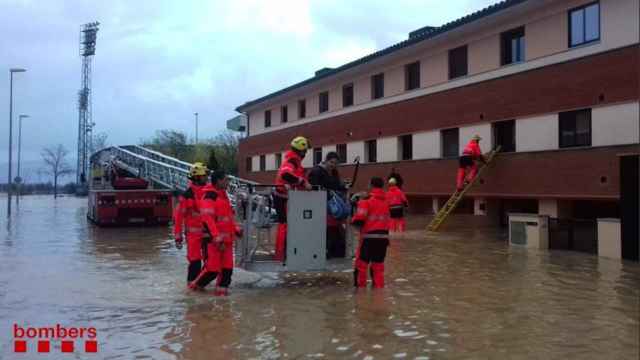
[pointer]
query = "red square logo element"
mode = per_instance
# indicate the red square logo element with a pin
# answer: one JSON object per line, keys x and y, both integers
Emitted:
{"x": 20, "y": 346}
{"x": 43, "y": 346}
{"x": 66, "y": 346}
{"x": 90, "y": 346}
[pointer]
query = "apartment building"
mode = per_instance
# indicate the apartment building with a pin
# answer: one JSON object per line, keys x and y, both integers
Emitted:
{"x": 555, "y": 83}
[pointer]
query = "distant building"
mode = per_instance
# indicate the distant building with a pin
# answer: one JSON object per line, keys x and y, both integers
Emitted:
{"x": 555, "y": 83}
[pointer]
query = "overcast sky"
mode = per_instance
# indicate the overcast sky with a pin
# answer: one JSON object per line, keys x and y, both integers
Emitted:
{"x": 158, "y": 62}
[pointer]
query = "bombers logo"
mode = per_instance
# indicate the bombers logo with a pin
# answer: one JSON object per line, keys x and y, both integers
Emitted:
{"x": 25, "y": 337}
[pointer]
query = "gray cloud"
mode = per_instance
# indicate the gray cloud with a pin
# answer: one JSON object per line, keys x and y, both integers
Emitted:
{"x": 159, "y": 61}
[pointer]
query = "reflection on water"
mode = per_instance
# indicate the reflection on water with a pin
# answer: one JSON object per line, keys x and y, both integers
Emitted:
{"x": 459, "y": 294}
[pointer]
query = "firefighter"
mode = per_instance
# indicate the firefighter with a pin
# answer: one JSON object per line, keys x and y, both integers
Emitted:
{"x": 372, "y": 217}
{"x": 397, "y": 203}
{"x": 467, "y": 162}
{"x": 290, "y": 176}
{"x": 187, "y": 217}
{"x": 218, "y": 218}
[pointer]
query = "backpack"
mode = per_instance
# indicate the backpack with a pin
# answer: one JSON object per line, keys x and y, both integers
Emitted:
{"x": 337, "y": 206}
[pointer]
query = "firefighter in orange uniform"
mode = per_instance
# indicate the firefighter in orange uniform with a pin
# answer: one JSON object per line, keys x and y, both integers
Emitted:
{"x": 187, "y": 217}
{"x": 291, "y": 175}
{"x": 372, "y": 216}
{"x": 397, "y": 203}
{"x": 218, "y": 219}
{"x": 467, "y": 161}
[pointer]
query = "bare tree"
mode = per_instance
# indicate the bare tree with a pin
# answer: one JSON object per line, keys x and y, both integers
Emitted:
{"x": 56, "y": 164}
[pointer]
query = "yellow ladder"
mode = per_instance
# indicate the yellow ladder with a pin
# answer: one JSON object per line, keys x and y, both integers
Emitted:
{"x": 455, "y": 199}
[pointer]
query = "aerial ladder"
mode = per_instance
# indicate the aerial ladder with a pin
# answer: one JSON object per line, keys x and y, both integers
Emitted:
{"x": 455, "y": 199}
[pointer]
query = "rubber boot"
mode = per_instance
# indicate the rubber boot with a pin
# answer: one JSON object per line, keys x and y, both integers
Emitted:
{"x": 281, "y": 242}
{"x": 378, "y": 275}
{"x": 460, "y": 179}
{"x": 401, "y": 225}
{"x": 193, "y": 270}
{"x": 221, "y": 291}
{"x": 360, "y": 274}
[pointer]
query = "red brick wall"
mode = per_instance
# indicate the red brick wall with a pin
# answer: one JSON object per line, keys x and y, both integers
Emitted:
{"x": 560, "y": 174}
{"x": 555, "y": 88}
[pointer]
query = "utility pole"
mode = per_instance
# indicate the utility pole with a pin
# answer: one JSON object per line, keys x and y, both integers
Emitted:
{"x": 18, "y": 178}
{"x": 10, "y": 180}
{"x": 196, "y": 114}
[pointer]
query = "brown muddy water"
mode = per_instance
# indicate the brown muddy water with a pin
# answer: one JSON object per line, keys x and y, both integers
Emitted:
{"x": 461, "y": 294}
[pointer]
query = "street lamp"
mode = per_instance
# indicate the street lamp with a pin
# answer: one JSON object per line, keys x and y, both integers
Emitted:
{"x": 9, "y": 182}
{"x": 18, "y": 179}
{"x": 196, "y": 114}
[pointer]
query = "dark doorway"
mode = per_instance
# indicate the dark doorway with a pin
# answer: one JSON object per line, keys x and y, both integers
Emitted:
{"x": 630, "y": 206}
{"x": 573, "y": 234}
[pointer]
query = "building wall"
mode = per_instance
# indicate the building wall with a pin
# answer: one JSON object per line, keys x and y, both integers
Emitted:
{"x": 355, "y": 150}
{"x": 618, "y": 124}
{"x": 387, "y": 149}
{"x": 546, "y": 43}
{"x": 426, "y": 145}
{"x": 537, "y": 133}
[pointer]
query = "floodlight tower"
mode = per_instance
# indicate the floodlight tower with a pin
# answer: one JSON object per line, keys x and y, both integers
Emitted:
{"x": 85, "y": 124}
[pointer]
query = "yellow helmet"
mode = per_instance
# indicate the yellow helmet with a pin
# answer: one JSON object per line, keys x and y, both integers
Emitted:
{"x": 392, "y": 181}
{"x": 300, "y": 143}
{"x": 198, "y": 169}
{"x": 476, "y": 137}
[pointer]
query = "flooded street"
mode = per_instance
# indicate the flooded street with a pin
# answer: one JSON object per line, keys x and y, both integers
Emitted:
{"x": 463, "y": 294}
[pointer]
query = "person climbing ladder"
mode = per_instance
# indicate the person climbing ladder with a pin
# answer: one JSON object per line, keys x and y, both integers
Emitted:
{"x": 467, "y": 162}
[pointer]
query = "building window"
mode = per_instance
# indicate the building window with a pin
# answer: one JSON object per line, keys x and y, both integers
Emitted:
{"x": 341, "y": 149}
{"x": 371, "y": 151}
{"x": 347, "y": 95}
{"x": 377, "y": 86}
{"x": 278, "y": 160}
{"x": 302, "y": 108}
{"x": 513, "y": 46}
{"x": 263, "y": 163}
{"x": 248, "y": 164}
{"x": 504, "y": 135}
{"x": 584, "y": 24}
{"x": 458, "y": 62}
{"x": 406, "y": 147}
{"x": 412, "y": 76}
{"x": 324, "y": 101}
{"x": 267, "y": 118}
{"x": 450, "y": 143}
{"x": 284, "y": 114}
{"x": 575, "y": 128}
{"x": 317, "y": 156}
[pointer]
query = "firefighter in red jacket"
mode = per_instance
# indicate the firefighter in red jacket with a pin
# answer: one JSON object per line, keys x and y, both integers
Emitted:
{"x": 397, "y": 203}
{"x": 218, "y": 218}
{"x": 467, "y": 161}
{"x": 187, "y": 217}
{"x": 291, "y": 176}
{"x": 372, "y": 216}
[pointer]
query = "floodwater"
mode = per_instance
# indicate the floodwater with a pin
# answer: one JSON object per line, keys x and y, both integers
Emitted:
{"x": 461, "y": 294}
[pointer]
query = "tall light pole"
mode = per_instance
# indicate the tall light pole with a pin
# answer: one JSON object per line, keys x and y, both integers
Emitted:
{"x": 18, "y": 178}
{"x": 196, "y": 114}
{"x": 10, "y": 181}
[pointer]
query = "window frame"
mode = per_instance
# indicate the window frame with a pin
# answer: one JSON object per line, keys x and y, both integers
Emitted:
{"x": 374, "y": 93}
{"x": 321, "y": 96}
{"x": 342, "y": 154}
{"x": 403, "y": 147}
{"x": 346, "y": 96}
{"x": 408, "y": 86}
{"x": 267, "y": 118}
{"x": 443, "y": 146}
{"x": 284, "y": 114}
{"x": 302, "y": 108}
{"x": 575, "y": 144}
{"x": 316, "y": 151}
{"x": 263, "y": 163}
{"x": 508, "y": 35}
{"x": 494, "y": 134}
{"x": 367, "y": 151}
{"x": 583, "y": 8}
{"x": 278, "y": 157}
{"x": 451, "y": 61}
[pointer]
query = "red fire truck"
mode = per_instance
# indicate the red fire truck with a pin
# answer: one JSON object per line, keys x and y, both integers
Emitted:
{"x": 117, "y": 198}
